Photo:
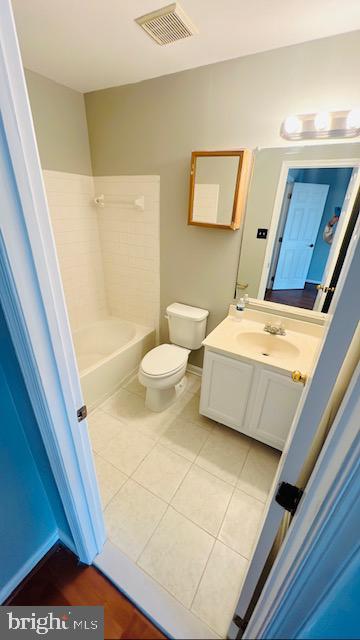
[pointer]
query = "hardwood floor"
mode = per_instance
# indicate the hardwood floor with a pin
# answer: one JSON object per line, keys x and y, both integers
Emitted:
{"x": 304, "y": 298}
{"x": 60, "y": 579}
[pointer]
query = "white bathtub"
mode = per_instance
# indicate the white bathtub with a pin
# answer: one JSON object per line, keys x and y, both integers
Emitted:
{"x": 108, "y": 352}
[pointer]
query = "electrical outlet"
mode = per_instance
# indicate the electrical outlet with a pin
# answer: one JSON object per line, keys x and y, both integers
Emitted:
{"x": 262, "y": 234}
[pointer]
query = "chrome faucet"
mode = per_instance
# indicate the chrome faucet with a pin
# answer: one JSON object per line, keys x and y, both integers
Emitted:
{"x": 275, "y": 328}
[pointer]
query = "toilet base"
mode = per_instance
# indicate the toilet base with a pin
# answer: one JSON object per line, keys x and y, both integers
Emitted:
{"x": 160, "y": 399}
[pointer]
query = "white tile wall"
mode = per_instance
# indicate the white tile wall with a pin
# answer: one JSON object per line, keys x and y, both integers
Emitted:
{"x": 130, "y": 240}
{"x": 109, "y": 258}
{"x": 75, "y": 224}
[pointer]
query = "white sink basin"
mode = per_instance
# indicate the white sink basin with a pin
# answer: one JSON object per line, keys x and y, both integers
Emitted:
{"x": 266, "y": 344}
{"x": 245, "y": 336}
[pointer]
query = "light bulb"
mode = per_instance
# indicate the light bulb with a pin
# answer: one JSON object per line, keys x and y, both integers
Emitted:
{"x": 322, "y": 121}
{"x": 292, "y": 125}
{"x": 353, "y": 119}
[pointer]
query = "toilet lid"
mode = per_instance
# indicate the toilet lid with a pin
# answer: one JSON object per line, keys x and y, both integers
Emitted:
{"x": 164, "y": 359}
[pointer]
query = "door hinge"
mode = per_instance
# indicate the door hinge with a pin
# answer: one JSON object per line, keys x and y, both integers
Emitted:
{"x": 280, "y": 239}
{"x": 289, "y": 196}
{"x": 241, "y": 624}
{"x": 288, "y": 496}
{"x": 82, "y": 413}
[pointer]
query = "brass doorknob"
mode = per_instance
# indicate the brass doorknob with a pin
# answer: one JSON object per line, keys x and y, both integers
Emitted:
{"x": 297, "y": 376}
{"x": 324, "y": 288}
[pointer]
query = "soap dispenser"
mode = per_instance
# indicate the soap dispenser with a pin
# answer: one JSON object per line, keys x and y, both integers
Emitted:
{"x": 241, "y": 305}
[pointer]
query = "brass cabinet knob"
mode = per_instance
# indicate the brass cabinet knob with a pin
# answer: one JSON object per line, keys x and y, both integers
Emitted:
{"x": 297, "y": 376}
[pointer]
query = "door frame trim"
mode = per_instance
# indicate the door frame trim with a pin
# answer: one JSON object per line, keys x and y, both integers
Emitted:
{"x": 341, "y": 324}
{"x": 275, "y": 218}
{"x": 342, "y": 225}
{"x": 34, "y": 306}
{"x": 311, "y": 550}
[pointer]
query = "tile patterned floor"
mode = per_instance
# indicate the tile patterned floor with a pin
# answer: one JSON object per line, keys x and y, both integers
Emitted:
{"x": 183, "y": 496}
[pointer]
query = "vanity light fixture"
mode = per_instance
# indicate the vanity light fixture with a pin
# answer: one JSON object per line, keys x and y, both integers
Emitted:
{"x": 322, "y": 121}
{"x": 353, "y": 119}
{"x": 322, "y": 125}
{"x": 292, "y": 125}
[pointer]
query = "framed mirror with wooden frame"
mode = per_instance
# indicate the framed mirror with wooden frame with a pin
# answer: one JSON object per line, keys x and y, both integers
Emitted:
{"x": 219, "y": 183}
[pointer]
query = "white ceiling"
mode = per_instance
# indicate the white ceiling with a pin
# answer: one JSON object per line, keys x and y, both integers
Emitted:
{"x": 93, "y": 44}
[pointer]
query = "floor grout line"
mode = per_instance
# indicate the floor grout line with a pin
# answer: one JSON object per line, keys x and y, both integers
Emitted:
{"x": 157, "y": 441}
{"x": 231, "y": 497}
{"x": 192, "y": 464}
{"x": 202, "y": 575}
{"x": 152, "y": 535}
{"x": 168, "y": 503}
{"x": 171, "y": 594}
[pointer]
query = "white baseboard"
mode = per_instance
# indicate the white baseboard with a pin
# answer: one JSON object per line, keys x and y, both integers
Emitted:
{"x": 156, "y": 603}
{"x": 28, "y": 566}
{"x": 192, "y": 368}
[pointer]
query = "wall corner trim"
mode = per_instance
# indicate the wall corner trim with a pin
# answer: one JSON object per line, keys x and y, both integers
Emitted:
{"x": 34, "y": 307}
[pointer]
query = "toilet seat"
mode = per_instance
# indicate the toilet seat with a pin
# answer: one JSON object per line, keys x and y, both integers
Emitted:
{"x": 164, "y": 360}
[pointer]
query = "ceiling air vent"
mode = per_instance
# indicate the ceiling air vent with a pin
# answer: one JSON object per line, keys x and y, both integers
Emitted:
{"x": 168, "y": 24}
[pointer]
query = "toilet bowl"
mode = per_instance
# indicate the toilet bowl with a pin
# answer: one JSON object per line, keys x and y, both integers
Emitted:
{"x": 162, "y": 370}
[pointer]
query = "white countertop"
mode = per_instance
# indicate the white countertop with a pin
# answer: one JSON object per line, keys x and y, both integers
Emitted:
{"x": 242, "y": 334}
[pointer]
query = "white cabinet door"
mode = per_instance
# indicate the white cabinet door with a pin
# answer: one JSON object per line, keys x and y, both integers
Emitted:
{"x": 274, "y": 404}
{"x": 225, "y": 389}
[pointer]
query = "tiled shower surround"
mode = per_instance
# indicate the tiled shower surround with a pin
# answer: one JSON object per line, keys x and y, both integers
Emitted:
{"x": 109, "y": 257}
{"x": 75, "y": 225}
{"x": 130, "y": 244}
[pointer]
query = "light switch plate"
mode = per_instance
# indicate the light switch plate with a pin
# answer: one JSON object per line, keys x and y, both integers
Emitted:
{"x": 262, "y": 234}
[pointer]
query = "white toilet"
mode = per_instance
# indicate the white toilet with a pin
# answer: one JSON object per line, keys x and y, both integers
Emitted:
{"x": 162, "y": 370}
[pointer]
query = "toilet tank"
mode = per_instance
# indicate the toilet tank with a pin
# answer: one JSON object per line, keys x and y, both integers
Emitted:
{"x": 187, "y": 325}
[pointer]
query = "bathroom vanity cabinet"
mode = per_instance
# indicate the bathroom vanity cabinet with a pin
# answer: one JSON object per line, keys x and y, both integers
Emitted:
{"x": 249, "y": 397}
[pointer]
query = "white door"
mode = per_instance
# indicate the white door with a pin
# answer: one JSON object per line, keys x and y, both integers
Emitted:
{"x": 343, "y": 317}
{"x": 301, "y": 229}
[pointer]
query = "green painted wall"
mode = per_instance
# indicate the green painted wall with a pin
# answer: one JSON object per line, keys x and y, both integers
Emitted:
{"x": 60, "y": 125}
{"x": 151, "y": 128}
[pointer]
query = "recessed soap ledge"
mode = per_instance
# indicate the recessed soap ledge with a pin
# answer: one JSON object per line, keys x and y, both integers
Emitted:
{"x": 242, "y": 334}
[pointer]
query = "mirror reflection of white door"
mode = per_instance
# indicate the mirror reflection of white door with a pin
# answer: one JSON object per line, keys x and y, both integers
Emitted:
{"x": 300, "y": 233}
{"x": 341, "y": 227}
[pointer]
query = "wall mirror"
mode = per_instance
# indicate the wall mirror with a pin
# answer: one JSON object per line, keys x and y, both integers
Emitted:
{"x": 218, "y": 188}
{"x": 302, "y": 206}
